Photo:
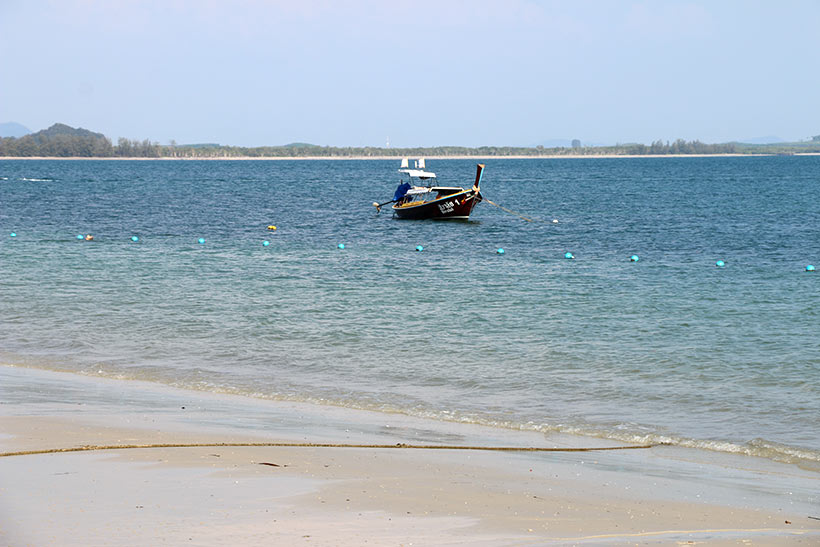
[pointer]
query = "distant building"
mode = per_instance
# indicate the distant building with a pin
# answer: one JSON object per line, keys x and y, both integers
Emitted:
{"x": 576, "y": 143}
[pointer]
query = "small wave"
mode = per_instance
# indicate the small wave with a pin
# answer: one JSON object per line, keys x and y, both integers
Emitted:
{"x": 36, "y": 180}
{"x": 759, "y": 448}
{"x": 4, "y": 178}
{"x": 756, "y": 448}
{"x": 627, "y": 433}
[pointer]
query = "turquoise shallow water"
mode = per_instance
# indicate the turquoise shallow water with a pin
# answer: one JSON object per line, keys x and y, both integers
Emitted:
{"x": 669, "y": 348}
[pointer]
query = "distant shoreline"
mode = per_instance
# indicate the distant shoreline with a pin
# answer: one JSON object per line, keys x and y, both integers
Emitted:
{"x": 456, "y": 157}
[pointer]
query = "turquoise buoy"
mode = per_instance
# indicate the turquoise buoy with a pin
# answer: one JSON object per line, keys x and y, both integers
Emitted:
{"x": 341, "y": 245}
{"x": 265, "y": 243}
{"x": 13, "y": 234}
{"x": 809, "y": 268}
{"x": 80, "y": 236}
{"x": 419, "y": 248}
{"x": 569, "y": 256}
{"x": 720, "y": 263}
{"x": 500, "y": 251}
{"x": 634, "y": 258}
{"x": 201, "y": 241}
{"x": 134, "y": 239}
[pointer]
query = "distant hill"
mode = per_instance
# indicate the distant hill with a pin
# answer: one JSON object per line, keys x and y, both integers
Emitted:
{"x": 57, "y": 141}
{"x": 198, "y": 145}
{"x": 13, "y": 129}
{"x": 762, "y": 140}
{"x": 60, "y": 129}
{"x": 300, "y": 145}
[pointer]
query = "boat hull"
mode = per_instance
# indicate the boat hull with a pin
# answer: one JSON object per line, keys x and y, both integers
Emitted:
{"x": 453, "y": 207}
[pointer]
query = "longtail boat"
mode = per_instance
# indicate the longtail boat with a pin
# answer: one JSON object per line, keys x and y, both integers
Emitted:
{"x": 419, "y": 197}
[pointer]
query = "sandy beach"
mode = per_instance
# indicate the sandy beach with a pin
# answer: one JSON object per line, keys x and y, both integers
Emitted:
{"x": 217, "y": 495}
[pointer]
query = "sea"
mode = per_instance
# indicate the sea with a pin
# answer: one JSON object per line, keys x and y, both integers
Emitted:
{"x": 670, "y": 347}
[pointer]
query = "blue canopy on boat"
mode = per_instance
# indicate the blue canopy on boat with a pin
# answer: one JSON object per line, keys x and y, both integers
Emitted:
{"x": 401, "y": 191}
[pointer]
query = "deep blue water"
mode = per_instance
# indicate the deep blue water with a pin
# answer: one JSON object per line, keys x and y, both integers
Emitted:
{"x": 667, "y": 348}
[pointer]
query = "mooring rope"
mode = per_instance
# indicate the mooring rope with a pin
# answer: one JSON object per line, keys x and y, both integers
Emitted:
{"x": 519, "y": 215}
{"x": 88, "y": 448}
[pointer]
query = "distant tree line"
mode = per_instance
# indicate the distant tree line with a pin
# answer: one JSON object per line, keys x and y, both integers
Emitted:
{"x": 135, "y": 149}
{"x": 679, "y": 146}
{"x": 61, "y": 140}
{"x": 307, "y": 150}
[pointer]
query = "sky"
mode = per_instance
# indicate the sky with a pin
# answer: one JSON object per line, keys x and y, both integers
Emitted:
{"x": 419, "y": 73}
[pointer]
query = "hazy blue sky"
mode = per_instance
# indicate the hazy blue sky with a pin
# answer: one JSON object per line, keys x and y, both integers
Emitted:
{"x": 255, "y": 72}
